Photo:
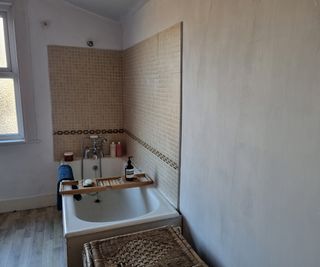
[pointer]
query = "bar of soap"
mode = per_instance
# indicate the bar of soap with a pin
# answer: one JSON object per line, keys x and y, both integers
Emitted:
{"x": 88, "y": 183}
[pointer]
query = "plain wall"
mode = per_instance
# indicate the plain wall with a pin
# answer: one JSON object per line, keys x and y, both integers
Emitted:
{"x": 250, "y": 163}
{"x": 28, "y": 171}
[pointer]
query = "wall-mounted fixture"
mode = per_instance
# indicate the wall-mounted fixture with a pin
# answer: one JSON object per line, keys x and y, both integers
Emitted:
{"x": 90, "y": 43}
{"x": 45, "y": 24}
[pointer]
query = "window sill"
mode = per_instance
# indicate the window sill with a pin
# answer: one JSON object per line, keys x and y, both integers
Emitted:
{"x": 13, "y": 141}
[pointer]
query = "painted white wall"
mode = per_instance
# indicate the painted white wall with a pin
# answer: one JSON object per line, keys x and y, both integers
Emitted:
{"x": 27, "y": 171}
{"x": 250, "y": 179}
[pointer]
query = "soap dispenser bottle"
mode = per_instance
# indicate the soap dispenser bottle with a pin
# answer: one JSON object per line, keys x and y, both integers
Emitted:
{"x": 129, "y": 171}
{"x": 112, "y": 149}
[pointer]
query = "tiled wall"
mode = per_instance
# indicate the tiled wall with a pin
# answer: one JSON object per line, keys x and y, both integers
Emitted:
{"x": 136, "y": 91}
{"x": 152, "y": 91}
{"x": 86, "y": 95}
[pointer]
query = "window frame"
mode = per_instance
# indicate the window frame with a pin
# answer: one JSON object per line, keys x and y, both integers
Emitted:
{"x": 12, "y": 72}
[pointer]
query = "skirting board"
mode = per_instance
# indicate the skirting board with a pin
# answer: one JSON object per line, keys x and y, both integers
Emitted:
{"x": 33, "y": 202}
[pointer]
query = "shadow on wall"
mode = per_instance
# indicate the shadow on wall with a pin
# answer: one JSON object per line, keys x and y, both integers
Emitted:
{"x": 203, "y": 252}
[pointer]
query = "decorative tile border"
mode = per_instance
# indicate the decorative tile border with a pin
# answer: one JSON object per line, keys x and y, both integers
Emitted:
{"x": 80, "y": 132}
{"x": 154, "y": 151}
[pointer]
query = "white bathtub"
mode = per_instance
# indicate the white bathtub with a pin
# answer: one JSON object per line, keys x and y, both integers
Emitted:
{"x": 118, "y": 208}
{"x": 118, "y": 212}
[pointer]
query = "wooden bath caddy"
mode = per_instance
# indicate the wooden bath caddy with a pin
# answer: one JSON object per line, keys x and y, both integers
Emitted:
{"x": 102, "y": 184}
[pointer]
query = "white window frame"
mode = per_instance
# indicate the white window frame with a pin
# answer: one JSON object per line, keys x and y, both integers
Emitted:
{"x": 12, "y": 71}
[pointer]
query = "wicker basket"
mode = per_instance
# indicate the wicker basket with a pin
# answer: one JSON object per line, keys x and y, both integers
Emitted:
{"x": 157, "y": 247}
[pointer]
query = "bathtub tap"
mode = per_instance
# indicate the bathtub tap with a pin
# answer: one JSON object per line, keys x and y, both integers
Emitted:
{"x": 86, "y": 152}
{"x": 94, "y": 152}
{"x": 96, "y": 149}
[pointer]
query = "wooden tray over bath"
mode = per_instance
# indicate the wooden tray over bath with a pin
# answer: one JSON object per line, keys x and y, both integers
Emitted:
{"x": 102, "y": 184}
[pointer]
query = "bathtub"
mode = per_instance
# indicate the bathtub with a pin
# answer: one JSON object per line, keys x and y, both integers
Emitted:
{"x": 117, "y": 212}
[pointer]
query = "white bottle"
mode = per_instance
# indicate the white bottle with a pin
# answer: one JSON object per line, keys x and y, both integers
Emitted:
{"x": 113, "y": 150}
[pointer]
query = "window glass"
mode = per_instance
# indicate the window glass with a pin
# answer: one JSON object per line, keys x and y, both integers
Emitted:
{"x": 3, "y": 55}
{"x": 11, "y": 120}
{"x": 8, "y": 112}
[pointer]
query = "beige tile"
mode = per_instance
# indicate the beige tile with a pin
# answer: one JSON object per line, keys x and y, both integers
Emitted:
{"x": 152, "y": 91}
{"x": 138, "y": 89}
{"x": 86, "y": 93}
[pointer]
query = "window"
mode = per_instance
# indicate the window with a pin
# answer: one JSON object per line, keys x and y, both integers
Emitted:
{"x": 11, "y": 123}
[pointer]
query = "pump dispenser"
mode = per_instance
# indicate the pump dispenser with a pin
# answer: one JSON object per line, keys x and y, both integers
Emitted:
{"x": 129, "y": 170}
{"x": 112, "y": 149}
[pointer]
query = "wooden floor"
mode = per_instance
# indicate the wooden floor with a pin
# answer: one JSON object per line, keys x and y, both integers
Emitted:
{"x": 32, "y": 238}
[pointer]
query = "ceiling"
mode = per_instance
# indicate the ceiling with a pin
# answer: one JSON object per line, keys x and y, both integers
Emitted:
{"x": 113, "y": 9}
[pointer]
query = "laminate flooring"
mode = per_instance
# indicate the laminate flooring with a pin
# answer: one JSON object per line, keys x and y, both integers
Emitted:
{"x": 32, "y": 238}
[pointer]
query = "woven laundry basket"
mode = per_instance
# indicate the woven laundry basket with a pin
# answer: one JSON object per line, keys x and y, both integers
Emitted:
{"x": 163, "y": 246}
